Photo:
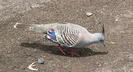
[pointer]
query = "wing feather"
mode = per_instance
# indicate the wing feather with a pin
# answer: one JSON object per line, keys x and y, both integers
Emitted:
{"x": 70, "y": 36}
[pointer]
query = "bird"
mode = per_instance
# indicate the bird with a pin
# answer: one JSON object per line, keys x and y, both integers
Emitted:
{"x": 68, "y": 35}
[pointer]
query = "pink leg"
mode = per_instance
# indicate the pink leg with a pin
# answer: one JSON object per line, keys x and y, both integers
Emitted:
{"x": 73, "y": 52}
{"x": 61, "y": 49}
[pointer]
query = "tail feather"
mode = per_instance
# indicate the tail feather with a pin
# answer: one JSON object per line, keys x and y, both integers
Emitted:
{"x": 41, "y": 28}
{"x": 21, "y": 26}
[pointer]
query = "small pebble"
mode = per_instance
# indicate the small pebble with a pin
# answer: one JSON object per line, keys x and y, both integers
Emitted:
{"x": 40, "y": 61}
{"x": 31, "y": 67}
{"x": 35, "y": 5}
{"x": 130, "y": 56}
{"x": 15, "y": 26}
{"x": 1, "y": 7}
{"x": 122, "y": 32}
{"x": 116, "y": 19}
{"x": 112, "y": 42}
{"x": 89, "y": 13}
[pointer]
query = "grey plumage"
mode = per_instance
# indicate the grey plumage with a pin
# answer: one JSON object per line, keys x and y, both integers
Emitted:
{"x": 67, "y": 34}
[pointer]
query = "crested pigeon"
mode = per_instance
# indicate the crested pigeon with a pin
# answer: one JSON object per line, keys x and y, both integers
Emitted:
{"x": 68, "y": 35}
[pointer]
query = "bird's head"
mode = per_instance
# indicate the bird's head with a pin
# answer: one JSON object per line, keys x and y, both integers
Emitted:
{"x": 100, "y": 37}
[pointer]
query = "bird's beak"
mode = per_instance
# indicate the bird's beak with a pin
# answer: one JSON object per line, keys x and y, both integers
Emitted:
{"x": 103, "y": 44}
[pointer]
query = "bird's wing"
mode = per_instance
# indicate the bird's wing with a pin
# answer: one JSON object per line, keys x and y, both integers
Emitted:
{"x": 67, "y": 36}
{"x": 68, "y": 40}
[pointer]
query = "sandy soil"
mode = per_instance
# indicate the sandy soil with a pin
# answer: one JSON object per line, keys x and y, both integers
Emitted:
{"x": 19, "y": 48}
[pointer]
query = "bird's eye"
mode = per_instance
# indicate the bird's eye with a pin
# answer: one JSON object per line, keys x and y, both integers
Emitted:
{"x": 101, "y": 40}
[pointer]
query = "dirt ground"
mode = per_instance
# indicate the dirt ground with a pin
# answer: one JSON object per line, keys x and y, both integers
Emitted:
{"x": 20, "y": 48}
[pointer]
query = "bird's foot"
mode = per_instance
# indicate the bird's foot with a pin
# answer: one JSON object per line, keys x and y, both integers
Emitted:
{"x": 73, "y": 52}
{"x": 61, "y": 49}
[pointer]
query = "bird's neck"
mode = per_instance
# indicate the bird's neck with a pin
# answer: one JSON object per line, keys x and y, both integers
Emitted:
{"x": 91, "y": 38}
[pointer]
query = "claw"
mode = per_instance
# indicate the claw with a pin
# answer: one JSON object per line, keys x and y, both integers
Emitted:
{"x": 70, "y": 51}
{"x": 61, "y": 49}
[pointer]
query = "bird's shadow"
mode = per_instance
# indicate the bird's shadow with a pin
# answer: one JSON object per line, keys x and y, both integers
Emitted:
{"x": 83, "y": 52}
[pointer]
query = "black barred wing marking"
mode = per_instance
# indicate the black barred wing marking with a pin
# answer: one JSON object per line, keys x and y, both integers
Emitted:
{"x": 69, "y": 35}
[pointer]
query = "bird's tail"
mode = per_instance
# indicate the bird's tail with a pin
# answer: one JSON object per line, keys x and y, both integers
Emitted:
{"x": 21, "y": 26}
{"x": 41, "y": 28}
{"x": 29, "y": 27}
